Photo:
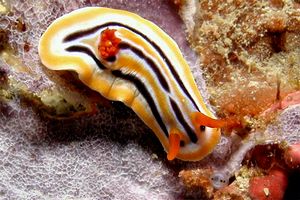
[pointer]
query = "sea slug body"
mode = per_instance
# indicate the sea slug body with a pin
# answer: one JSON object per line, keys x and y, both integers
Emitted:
{"x": 127, "y": 58}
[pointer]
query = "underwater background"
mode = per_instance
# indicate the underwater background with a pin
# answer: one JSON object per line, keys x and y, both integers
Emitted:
{"x": 61, "y": 140}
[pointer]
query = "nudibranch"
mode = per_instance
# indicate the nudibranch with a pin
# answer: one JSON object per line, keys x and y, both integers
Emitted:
{"x": 127, "y": 58}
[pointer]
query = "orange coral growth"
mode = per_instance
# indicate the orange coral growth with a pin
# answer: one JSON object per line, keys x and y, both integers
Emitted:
{"x": 108, "y": 46}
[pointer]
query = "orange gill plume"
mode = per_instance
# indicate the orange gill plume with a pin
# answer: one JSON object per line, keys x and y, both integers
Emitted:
{"x": 108, "y": 45}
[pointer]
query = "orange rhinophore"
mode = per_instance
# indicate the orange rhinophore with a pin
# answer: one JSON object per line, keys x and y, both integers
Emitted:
{"x": 108, "y": 45}
{"x": 174, "y": 147}
{"x": 203, "y": 120}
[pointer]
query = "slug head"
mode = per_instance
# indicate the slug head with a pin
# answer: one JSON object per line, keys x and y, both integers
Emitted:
{"x": 207, "y": 131}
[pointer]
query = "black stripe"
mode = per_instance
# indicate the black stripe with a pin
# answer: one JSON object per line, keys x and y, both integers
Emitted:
{"x": 182, "y": 121}
{"x": 87, "y": 51}
{"x": 79, "y": 34}
{"x": 145, "y": 93}
{"x": 150, "y": 62}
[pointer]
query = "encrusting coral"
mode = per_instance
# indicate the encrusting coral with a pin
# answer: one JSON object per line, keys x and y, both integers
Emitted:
{"x": 46, "y": 151}
{"x": 246, "y": 49}
{"x": 249, "y": 52}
